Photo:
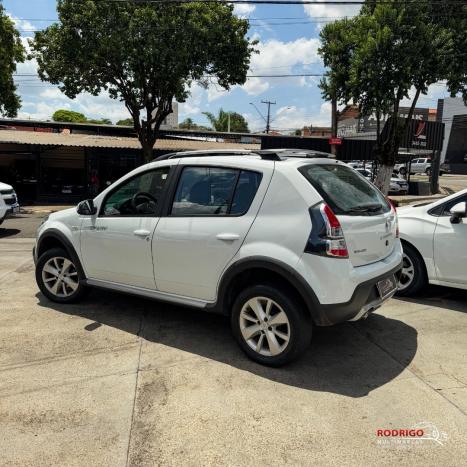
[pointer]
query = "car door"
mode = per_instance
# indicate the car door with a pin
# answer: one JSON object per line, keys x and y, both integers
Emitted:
{"x": 415, "y": 166}
{"x": 450, "y": 246}
{"x": 116, "y": 242}
{"x": 211, "y": 213}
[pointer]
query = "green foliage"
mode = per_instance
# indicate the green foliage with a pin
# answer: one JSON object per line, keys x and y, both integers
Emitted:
{"x": 189, "y": 124}
{"x": 63, "y": 115}
{"x": 11, "y": 52}
{"x": 238, "y": 124}
{"x": 125, "y": 122}
{"x": 144, "y": 54}
{"x": 102, "y": 121}
{"x": 376, "y": 58}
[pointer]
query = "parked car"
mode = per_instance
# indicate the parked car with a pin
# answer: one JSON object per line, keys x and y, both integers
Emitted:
{"x": 278, "y": 240}
{"x": 8, "y": 201}
{"x": 420, "y": 166}
{"x": 434, "y": 239}
{"x": 398, "y": 186}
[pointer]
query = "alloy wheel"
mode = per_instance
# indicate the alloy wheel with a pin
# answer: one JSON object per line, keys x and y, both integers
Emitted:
{"x": 264, "y": 326}
{"x": 407, "y": 273}
{"x": 60, "y": 277}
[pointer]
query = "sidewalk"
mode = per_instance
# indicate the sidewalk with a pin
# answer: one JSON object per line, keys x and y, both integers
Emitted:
{"x": 44, "y": 209}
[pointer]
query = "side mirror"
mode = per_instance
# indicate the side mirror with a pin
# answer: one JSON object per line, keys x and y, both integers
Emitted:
{"x": 86, "y": 208}
{"x": 458, "y": 211}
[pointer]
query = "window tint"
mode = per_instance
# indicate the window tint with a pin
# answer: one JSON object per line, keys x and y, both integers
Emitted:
{"x": 344, "y": 190}
{"x": 139, "y": 196}
{"x": 212, "y": 191}
{"x": 247, "y": 187}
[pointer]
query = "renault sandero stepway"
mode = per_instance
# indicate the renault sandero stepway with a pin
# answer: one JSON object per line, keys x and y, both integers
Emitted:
{"x": 278, "y": 240}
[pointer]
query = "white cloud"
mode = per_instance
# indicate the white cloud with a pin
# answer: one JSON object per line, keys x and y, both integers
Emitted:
{"x": 331, "y": 11}
{"x": 277, "y": 57}
{"x": 243, "y": 10}
{"x": 430, "y": 100}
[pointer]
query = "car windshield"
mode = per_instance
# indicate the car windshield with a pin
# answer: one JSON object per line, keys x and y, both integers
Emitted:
{"x": 344, "y": 190}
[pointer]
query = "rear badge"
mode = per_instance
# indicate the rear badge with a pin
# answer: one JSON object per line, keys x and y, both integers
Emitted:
{"x": 359, "y": 251}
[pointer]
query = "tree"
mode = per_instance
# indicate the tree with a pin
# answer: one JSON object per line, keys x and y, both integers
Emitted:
{"x": 125, "y": 122}
{"x": 389, "y": 49}
{"x": 63, "y": 115}
{"x": 187, "y": 124}
{"x": 11, "y": 52}
{"x": 102, "y": 121}
{"x": 143, "y": 53}
{"x": 238, "y": 124}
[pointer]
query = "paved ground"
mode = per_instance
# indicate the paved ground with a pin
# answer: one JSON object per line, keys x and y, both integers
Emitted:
{"x": 120, "y": 380}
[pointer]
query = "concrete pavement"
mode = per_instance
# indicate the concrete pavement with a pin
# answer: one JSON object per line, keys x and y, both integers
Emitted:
{"x": 118, "y": 380}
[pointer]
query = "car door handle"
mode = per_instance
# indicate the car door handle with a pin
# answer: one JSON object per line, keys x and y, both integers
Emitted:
{"x": 142, "y": 233}
{"x": 228, "y": 237}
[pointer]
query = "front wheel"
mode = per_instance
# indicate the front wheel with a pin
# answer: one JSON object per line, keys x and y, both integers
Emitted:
{"x": 270, "y": 325}
{"x": 413, "y": 276}
{"x": 428, "y": 171}
{"x": 403, "y": 171}
{"x": 58, "y": 278}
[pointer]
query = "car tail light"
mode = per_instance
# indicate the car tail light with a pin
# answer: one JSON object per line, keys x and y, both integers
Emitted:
{"x": 326, "y": 237}
{"x": 394, "y": 212}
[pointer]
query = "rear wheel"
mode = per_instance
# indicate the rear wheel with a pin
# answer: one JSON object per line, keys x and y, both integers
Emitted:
{"x": 403, "y": 171}
{"x": 58, "y": 278}
{"x": 428, "y": 171}
{"x": 413, "y": 276}
{"x": 270, "y": 325}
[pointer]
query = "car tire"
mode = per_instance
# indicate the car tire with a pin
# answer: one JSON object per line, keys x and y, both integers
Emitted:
{"x": 403, "y": 171}
{"x": 58, "y": 278}
{"x": 413, "y": 276}
{"x": 270, "y": 344}
{"x": 428, "y": 172}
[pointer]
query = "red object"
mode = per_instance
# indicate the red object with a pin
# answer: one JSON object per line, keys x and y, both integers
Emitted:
{"x": 335, "y": 141}
{"x": 336, "y": 245}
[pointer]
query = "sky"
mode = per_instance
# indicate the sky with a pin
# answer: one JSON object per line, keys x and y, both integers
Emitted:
{"x": 288, "y": 38}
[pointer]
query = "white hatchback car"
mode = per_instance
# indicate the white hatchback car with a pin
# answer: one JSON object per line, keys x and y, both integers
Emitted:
{"x": 434, "y": 239}
{"x": 8, "y": 201}
{"x": 278, "y": 240}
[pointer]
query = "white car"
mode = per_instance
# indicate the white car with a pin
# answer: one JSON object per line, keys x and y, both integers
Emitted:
{"x": 398, "y": 186}
{"x": 8, "y": 201}
{"x": 419, "y": 166}
{"x": 278, "y": 240}
{"x": 434, "y": 239}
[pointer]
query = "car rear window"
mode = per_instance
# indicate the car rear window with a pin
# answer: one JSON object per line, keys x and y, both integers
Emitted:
{"x": 346, "y": 191}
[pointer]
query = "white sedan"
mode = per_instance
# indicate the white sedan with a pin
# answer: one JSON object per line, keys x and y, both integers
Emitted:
{"x": 434, "y": 239}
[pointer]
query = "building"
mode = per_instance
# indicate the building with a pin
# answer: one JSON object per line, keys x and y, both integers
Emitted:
{"x": 452, "y": 111}
{"x": 321, "y": 131}
{"x": 54, "y": 164}
{"x": 171, "y": 121}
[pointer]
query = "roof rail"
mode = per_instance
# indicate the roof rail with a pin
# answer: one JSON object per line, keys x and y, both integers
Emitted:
{"x": 265, "y": 154}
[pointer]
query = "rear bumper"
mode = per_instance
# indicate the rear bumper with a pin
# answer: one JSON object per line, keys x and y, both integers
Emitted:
{"x": 364, "y": 300}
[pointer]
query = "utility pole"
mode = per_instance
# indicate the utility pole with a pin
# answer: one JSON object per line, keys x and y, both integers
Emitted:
{"x": 268, "y": 120}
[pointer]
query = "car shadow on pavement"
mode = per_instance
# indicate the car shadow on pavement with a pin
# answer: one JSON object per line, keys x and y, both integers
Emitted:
{"x": 348, "y": 359}
{"x": 4, "y": 233}
{"x": 441, "y": 297}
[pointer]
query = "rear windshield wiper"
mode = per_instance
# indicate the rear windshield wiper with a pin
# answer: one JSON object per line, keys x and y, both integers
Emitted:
{"x": 366, "y": 208}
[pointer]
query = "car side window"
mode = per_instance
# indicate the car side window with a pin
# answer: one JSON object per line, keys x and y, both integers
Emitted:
{"x": 452, "y": 203}
{"x": 139, "y": 196}
{"x": 214, "y": 191}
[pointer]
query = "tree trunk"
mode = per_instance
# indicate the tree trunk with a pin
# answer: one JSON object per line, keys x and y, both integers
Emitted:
{"x": 146, "y": 150}
{"x": 383, "y": 179}
{"x": 333, "y": 124}
{"x": 434, "y": 178}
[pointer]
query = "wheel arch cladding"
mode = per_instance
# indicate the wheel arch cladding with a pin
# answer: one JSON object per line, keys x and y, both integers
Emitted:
{"x": 56, "y": 239}
{"x": 254, "y": 271}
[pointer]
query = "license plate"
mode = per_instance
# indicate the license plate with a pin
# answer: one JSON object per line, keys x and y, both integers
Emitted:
{"x": 386, "y": 286}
